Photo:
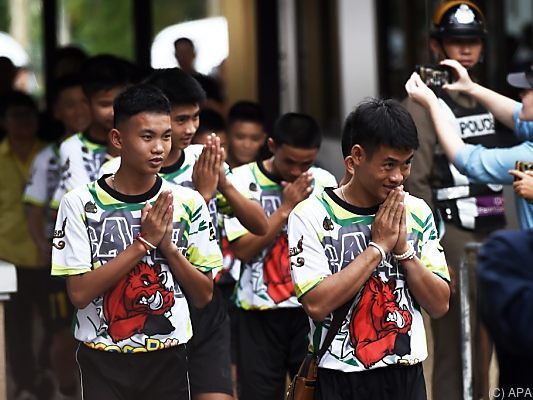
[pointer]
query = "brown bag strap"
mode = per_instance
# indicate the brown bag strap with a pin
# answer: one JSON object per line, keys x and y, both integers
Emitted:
{"x": 338, "y": 317}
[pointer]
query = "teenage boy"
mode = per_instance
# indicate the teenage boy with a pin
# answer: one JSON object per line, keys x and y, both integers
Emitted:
{"x": 200, "y": 167}
{"x": 370, "y": 243}
{"x": 272, "y": 327}
{"x": 246, "y": 133}
{"x": 210, "y": 122}
{"x": 131, "y": 245}
{"x": 19, "y": 117}
{"x": 82, "y": 155}
{"x": 71, "y": 109}
{"x": 479, "y": 163}
{"x": 466, "y": 211}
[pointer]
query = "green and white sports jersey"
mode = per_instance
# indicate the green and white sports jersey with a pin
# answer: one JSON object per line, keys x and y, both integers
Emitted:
{"x": 384, "y": 325}
{"x": 80, "y": 159}
{"x": 43, "y": 181}
{"x": 146, "y": 310}
{"x": 179, "y": 173}
{"x": 265, "y": 281}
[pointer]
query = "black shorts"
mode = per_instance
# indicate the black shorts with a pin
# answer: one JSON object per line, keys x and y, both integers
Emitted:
{"x": 209, "y": 348}
{"x": 227, "y": 290}
{"x": 387, "y": 383}
{"x": 160, "y": 374}
{"x": 271, "y": 344}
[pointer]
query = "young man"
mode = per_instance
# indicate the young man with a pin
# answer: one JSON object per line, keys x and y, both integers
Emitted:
{"x": 82, "y": 155}
{"x": 370, "y": 243}
{"x": 210, "y": 122}
{"x": 71, "y": 109}
{"x": 19, "y": 117}
{"x": 246, "y": 133}
{"x": 131, "y": 245}
{"x": 479, "y": 163}
{"x": 272, "y": 327}
{"x": 201, "y": 167}
{"x": 465, "y": 211}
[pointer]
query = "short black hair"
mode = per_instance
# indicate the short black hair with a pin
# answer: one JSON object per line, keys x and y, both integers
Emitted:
{"x": 297, "y": 130}
{"x": 210, "y": 121}
{"x": 64, "y": 83}
{"x": 16, "y": 98}
{"x": 184, "y": 40}
{"x": 137, "y": 99}
{"x": 376, "y": 123}
{"x": 105, "y": 72}
{"x": 179, "y": 87}
{"x": 246, "y": 111}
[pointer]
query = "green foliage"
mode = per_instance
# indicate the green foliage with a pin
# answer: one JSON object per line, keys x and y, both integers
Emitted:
{"x": 101, "y": 26}
{"x": 170, "y": 12}
{"x": 4, "y": 16}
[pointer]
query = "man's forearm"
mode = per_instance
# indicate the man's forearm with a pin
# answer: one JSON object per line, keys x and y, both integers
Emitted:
{"x": 429, "y": 290}
{"x": 84, "y": 288}
{"x": 500, "y": 106}
{"x": 197, "y": 285}
{"x": 449, "y": 140}
{"x": 335, "y": 290}
{"x": 248, "y": 246}
{"x": 249, "y": 213}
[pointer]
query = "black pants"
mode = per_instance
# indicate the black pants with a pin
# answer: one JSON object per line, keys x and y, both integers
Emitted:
{"x": 271, "y": 343}
{"x": 209, "y": 348}
{"x": 387, "y": 383}
{"x": 160, "y": 374}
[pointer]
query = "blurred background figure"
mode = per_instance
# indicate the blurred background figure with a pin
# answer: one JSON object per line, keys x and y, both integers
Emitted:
{"x": 210, "y": 122}
{"x": 505, "y": 293}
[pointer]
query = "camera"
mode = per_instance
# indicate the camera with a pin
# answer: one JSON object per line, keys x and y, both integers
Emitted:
{"x": 524, "y": 166}
{"x": 434, "y": 76}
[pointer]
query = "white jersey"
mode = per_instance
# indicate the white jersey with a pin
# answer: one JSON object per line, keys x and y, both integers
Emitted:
{"x": 384, "y": 325}
{"x": 146, "y": 309}
{"x": 265, "y": 281}
{"x": 43, "y": 181}
{"x": 80, "y": 159}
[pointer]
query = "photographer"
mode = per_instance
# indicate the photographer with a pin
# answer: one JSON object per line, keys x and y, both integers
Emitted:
{"x": 468, "y": 211}
{"x": 476, "y": 161}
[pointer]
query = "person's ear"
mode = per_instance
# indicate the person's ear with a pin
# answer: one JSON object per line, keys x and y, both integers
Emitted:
{"x": 271, "y": 145}
{"x": 115, "y": 138}
{"x": 357, "y": 156}
{"x": 349, "y": 165}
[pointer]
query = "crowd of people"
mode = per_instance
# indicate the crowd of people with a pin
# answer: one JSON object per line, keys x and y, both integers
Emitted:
{"x": 173, "y": 249}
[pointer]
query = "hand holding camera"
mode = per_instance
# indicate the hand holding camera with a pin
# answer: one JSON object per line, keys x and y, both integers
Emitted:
{"x": 523, "y": 179}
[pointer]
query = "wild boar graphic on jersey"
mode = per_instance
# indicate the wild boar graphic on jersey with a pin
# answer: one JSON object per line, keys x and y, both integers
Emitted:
{"x": 138, "y": 302}
{"x": 277, "y": 272}
{"x": 379, "y": 327}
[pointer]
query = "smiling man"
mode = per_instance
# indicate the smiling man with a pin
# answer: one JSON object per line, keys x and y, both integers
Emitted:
{"x": 375, "y": 246}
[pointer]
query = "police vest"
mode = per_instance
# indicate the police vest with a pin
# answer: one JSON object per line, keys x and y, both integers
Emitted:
{"x": 468, "y": 205}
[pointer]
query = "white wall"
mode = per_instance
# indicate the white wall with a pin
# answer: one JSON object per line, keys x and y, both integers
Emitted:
{"x": 358, "y": 69}
{"x": 358, "y": 56}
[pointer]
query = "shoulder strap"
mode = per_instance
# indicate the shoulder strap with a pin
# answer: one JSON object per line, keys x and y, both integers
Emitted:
{"x": 338, "y": 317}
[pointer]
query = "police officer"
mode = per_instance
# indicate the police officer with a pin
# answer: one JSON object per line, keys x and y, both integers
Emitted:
{"x": 467, "y": 212}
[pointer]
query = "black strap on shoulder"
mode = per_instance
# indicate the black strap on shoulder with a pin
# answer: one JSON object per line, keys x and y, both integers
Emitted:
{"x": 338, "y": 317}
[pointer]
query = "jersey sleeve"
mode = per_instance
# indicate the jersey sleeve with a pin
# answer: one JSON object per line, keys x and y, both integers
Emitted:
{"x": 309, "y": 264}
{"x": 203, "y": 251}
{"x": 35, "y": 190}
{"x": 71, "y": 252}
{"x": 430, "y": 250}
